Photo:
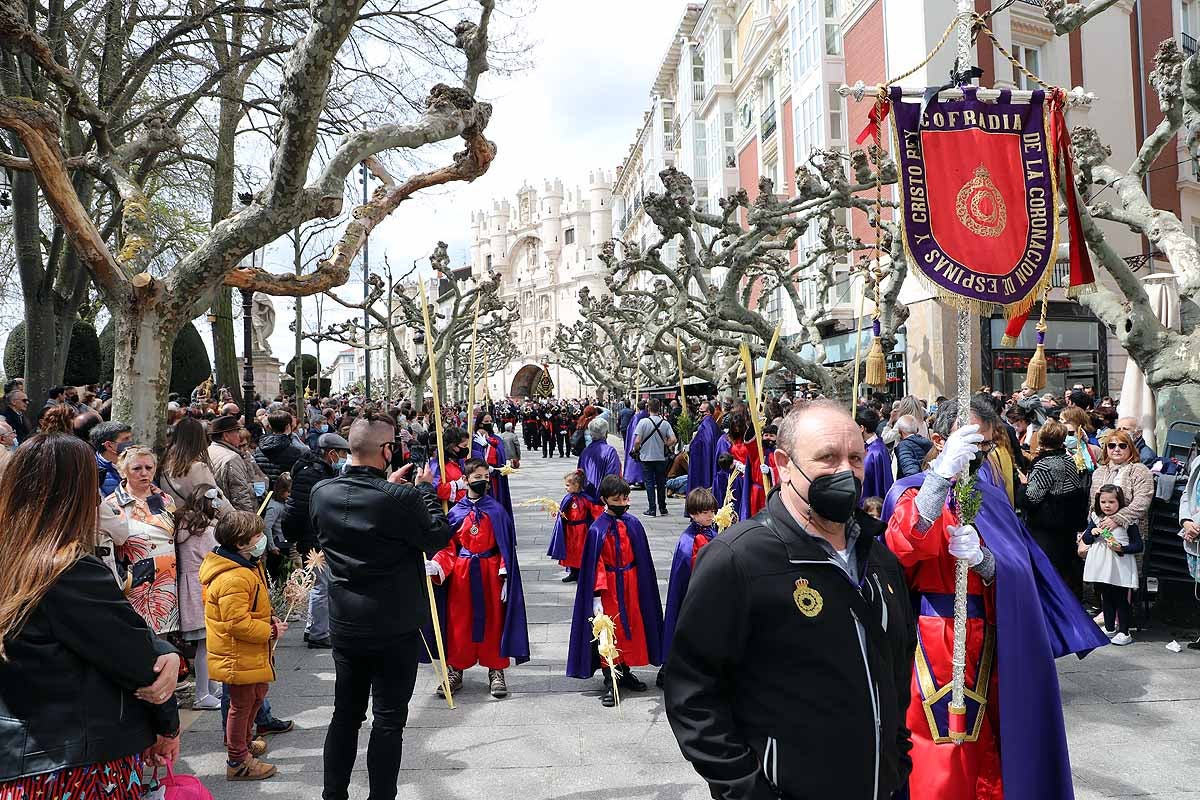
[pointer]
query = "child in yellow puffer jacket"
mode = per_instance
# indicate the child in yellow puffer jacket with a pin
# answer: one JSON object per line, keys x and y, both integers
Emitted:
{"x": 240, "y": 631}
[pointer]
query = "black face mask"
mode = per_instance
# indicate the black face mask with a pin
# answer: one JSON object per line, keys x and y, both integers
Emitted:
{"x": 617, "y": 511}
{"x": 455, "y": 452}
{"x": 833, "y": 497}
{"x": 478, "y": 487}
{"x": 486, "y": 427}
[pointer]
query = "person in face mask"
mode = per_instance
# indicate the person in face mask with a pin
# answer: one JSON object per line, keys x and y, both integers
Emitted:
{"x": 485, "y": 618}
{"x": 452, "y": 487}
{"x": 789, "y": 666}
{"x": 109, "y": 440}
{"x": 488, "y": 447}
{"x": 616, "y": 578}
{"x": 242, "y": 632}
{"x": 1020, "y": 617}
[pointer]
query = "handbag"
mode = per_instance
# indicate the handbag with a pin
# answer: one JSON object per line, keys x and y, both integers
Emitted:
{"x": 182, "y": 787}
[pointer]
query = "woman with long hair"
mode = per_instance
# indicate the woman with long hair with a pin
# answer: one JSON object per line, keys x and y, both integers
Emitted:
{"x": 140, "y": 519}
{"x": 81, "y": 674}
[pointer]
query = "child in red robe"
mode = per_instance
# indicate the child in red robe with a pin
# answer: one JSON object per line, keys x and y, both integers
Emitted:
{"x": 452, "y": 486}
{"x": 485, "y": 619}
{"x": 576, "y": 513}
{"x": 616, "y": 578}
{"x": 701, "y": 506}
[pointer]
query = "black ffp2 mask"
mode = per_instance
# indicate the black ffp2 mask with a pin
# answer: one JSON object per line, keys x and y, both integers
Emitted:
{"x": 834, "y": 496}
{"x": 478, "y": 487}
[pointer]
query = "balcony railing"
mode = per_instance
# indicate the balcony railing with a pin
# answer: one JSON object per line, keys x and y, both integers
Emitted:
{"x": 1189, "y": 43}
{"x": 768, "y": 122}
{"x": 697, "y": 92}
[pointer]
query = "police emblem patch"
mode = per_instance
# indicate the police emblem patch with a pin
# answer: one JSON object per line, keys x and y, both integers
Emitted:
{"x": 807, "y": 599}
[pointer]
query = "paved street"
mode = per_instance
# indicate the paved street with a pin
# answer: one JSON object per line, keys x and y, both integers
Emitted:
{"x": 1132, "y": 714}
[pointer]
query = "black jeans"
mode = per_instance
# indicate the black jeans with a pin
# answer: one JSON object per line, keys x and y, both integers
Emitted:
{"x": 654, "y": 473}
{"x": 387, "y": 673}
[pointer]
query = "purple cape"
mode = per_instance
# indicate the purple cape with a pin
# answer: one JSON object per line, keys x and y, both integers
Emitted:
{"x": 558, "y": 539}
{"x": 499, "y": 482}
{"x": 1037, "y": 621}
{"x": 877, "y": 470}
{"x": 681, "y": 577}
{"x": 514, "y": 642}
{"x": 597, "y": 460}
{"x": 702, "y": 455}
{"x": 582, "y": 658}
{"x": 633, "y": 468}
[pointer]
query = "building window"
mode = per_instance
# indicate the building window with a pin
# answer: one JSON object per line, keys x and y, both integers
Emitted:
{"x": 833, "y": 27}
{"x": 808, "y": 26}
{"x": 668, "y": 115}
{"x": 771, "y": 173}
{"x": 764, "y": 7}
{"x": 729, "y": 138}
{"x": 1028, "y": 58}
{"x": 697, "y": 74}
{"x": 727, "y": 56}
{"x": 701, "y": 149}
{"x": 489, "y": 263}
{"x": 837, "y": 115}
{"x": 808, "y": 131}
{"x": 569, "y": 236}
{"x": 1196, "y": 229}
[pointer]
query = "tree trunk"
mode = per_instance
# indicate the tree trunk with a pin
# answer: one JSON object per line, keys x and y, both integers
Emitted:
{"x": 1177, "y": 402}
{"x": 224, "y": 352}
{"x": 142, "y": 370}
{"x": 417, "y": 394}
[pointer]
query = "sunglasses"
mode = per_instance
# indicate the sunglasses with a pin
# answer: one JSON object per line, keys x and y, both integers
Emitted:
{"x": 1118, "y": 446}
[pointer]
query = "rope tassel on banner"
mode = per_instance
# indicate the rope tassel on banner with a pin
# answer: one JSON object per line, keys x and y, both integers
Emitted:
{"x": 876, "y": 360}
{"x": 1035, "y": 378}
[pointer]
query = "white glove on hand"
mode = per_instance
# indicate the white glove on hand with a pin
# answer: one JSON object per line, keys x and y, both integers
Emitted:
{"x": 964, "y": 543}
{"x": 597, "y": 607}
{"x": 482, "y": 439}
{"x": 960, "y": 448}
{"x": 459, "y": 485}
{"x": 434, "y": 570}
{"x": 504, "y": 591}
{"x": 739, "y": 466}
{"x": 764, "y": 469}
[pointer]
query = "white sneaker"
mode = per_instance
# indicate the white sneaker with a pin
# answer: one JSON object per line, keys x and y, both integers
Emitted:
{"x": 207, "y": 703}
{"x": 215, "y": 689}
{"x": 1107, "y": 632}
{"x": 1122, "y": 639}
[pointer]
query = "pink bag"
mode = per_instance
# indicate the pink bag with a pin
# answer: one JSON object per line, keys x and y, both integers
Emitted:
{"x": 184, "y": 787}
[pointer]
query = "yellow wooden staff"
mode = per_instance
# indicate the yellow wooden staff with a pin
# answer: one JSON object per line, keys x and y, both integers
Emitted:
{"x": 471, "y": 380}
{"x": 752, "y": 399}
{"x": 440, "y": 665}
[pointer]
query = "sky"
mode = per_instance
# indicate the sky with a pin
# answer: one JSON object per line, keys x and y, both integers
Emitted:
{"x": 576, "y": 109}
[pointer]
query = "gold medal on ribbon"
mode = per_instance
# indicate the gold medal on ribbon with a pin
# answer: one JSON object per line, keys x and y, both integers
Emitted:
{"x": 808, "y": 599}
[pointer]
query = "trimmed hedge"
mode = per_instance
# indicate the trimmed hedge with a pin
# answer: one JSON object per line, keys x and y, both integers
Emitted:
{"x": 83, "y": 359}
{"x": 189, "y": 359}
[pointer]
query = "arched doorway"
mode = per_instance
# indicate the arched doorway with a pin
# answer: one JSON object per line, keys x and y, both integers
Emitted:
{"x": 524, "y": 381}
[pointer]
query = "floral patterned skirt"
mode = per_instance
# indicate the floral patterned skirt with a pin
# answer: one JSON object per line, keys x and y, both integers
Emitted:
{"x": 111, "y": 780}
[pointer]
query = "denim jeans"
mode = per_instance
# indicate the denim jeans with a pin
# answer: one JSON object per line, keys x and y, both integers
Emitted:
{"x": 318, "y": 607}
{"x": 386, "y": 673}
{"x": 678, "y": 484}
{"x": 654, "y": 473}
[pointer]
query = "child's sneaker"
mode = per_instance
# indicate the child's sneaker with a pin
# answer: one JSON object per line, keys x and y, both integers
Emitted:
{"x": 1122, "y": 639}
{"x": 496, "y": 683}
{"x": 207, "y": 703}
{"x": 249, "y": 770}
{"x": 455, "y": 680}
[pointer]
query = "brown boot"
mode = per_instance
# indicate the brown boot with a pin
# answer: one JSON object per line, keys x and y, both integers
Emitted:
{"x": 496, "y": 683}
{"x": 249, "y": 770}
{"x": 257, "y": 747}
{"x": 455, "y": 678}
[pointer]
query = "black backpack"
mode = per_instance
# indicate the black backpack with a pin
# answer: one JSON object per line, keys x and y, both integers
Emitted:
{"x": 578, "y": 442}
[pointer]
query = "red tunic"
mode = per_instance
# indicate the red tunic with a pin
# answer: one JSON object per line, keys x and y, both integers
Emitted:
{"x": 453, "y": 472}
{"x": 474, "y": 535}
{"x": 576, "y": 520}
{"x": 942, "y": 770}
{"x": 747, "y": 452}
{"x": 698, "y": 542}
{"x": 632, "y": 645}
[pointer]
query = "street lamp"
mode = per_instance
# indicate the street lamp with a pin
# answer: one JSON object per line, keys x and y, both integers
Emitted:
{"x": 366, "y": 294}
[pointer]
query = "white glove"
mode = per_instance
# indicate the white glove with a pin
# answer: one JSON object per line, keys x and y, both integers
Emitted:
{"x": 434, "y": 570}
{"x": 964, "y": 543}
{"x": 482, "y": 439}
{"x": 739, "y": 466}
{"x": 504, "y": 591}
{"x": 764, "y": 469}
{"x": 459, "y": 485}
{"x": 960, "y": 448}
{"x": 597, "y": 607}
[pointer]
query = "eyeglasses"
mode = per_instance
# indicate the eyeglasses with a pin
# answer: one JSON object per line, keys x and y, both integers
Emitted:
{"x": 1117, "y": 446}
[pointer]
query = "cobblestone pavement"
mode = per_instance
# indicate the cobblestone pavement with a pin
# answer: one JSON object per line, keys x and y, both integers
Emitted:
{"x": 1132, "y": 713}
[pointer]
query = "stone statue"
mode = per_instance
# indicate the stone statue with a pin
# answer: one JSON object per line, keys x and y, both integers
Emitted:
{"x": 262, "y": 322}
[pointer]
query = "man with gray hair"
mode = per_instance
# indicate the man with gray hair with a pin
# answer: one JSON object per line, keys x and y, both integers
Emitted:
{"x": 913, "y": 447}
{"x": 1020, "y": 617}
{"x": 789, "y": 670}
{"x": 598, "y": 459}
{"x": 1131, "y": 426}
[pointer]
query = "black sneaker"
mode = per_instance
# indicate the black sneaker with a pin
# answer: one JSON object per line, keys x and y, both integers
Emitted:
{"x": 650, "y": 512}
{"x": 627, "y": 680}
{"x": 320, "y": 644}
{"x": 659, "y": 680}
{"x": 275, "y": 725}
{"x": 663, "y": 511}
{"x": 608, "y": 699}
{"x": 571, "y": 577}
{"x": 307, "y": 638}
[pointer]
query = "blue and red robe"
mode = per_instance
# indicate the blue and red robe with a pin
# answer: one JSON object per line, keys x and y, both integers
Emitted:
{"x": 576, "y": 513}
{"x": 495, "y": 457}
{"x": 633, "y": 467}
{"x": 702, "y": 455}
{"x": 454, "y": 472}
{"x": 481, "y": 556}
{"x": 693, "y": 539}
{"x": 617, "y": 566}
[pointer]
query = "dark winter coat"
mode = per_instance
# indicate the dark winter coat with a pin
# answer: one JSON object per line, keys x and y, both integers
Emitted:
{"x": 309, "y": 470}
{"x": 910, "y": 455}
{"x": 277, "y": 453}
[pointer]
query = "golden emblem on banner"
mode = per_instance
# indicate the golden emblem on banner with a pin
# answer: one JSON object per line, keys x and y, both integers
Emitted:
{"x": 980, "y": 205}
{"x": 808, "y": 600}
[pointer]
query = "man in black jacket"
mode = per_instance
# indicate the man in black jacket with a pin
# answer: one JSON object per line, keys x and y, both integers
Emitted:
{"x": 375, "y": 533}
{"x": 278, "y": 451}
{"x": 309, "y": 470}
{"x": 789, "y": 671}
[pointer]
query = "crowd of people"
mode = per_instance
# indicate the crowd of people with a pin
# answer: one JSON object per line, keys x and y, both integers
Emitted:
{"x": 169, "y": 566}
